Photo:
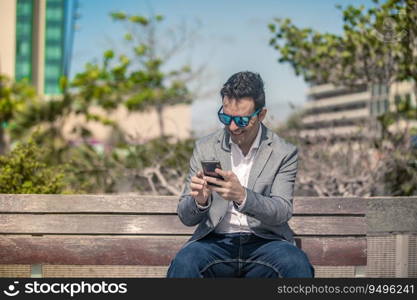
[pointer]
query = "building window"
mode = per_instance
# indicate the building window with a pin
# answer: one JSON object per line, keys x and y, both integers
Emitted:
{"x": 53, "y": 53}
{"x": 54, "y": 33}
{"x": 383, "y": 89}
{"x": 386, "y": 105}
{"x": 375, "y": 90}
{"x": 379, "y": 90}
{"x": 54, "y": 44}
{"x": 378, "y": 107}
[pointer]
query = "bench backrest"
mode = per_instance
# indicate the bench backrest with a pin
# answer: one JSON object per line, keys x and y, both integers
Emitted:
{"x": 145, "y": 230}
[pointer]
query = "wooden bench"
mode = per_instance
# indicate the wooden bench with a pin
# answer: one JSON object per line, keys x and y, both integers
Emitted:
{"x": 137, "y": 236}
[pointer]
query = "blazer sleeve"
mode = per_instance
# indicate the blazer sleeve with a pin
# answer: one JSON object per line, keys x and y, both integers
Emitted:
{"x": 188, "y": 211}
{"x": 277, "y": 207}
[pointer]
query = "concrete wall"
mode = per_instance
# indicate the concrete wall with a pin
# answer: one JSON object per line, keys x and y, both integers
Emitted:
{"x": 7, "y": 37}
{"x": 139, "y": 126}
{"x": 392, "y": 237}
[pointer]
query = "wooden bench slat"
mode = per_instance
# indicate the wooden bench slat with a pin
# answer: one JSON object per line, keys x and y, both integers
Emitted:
{"x": 335, "y": 251}
{"x": 156, "y": 224}
{"x": 314, "y": 225}
{"x": 79, "y": 250}
{"x": 150, "y": 250}
{"x": 108, "y": 203}
{"x": 92, "y": 224}
{"x": 336, "y": 205}
{"x": 153, "y": 204}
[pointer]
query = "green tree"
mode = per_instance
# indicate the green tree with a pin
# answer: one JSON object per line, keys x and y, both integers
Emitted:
{"x": 151, "y": 85}
{"x": 377, "y": 46}
{"x": 14, "y": 97}
{"x": 138, "y": 79}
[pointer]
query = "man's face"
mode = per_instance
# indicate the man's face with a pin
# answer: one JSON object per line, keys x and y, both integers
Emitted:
{"x": 242, "y": 107}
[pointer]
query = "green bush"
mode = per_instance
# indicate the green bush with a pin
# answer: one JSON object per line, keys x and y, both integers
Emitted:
{"x": 24, "y": 171}
{"x": 400, "y": 176}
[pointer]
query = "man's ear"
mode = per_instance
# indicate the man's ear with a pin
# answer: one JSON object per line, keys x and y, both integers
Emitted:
{"x": 262, "y": 114}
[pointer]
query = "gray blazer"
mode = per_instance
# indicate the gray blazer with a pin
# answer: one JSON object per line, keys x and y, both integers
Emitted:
{"x": 269, "y": 193}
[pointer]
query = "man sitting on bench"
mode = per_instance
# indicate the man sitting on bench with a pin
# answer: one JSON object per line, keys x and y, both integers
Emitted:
{"x": 242, "y": 219}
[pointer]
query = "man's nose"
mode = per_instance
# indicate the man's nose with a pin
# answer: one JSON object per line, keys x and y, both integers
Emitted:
{"x": 233, "y": 126}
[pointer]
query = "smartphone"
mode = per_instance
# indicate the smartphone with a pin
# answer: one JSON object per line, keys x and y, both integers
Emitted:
{"x": 208, "y": 169}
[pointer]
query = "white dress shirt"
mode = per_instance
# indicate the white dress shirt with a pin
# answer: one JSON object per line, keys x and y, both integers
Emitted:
{"x": 235, "y": 221}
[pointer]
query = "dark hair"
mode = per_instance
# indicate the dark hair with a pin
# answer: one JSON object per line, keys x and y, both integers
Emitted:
{"x": 245, "y": 84}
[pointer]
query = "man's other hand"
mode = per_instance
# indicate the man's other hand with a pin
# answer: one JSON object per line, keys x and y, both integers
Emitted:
{"x": 199, "y": 189}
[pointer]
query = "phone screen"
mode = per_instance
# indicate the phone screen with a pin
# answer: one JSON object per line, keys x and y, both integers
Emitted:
{"x": 208, "y": 169}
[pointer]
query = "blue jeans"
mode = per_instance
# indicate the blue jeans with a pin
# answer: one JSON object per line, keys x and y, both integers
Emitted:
{"x": 240, "y": 255}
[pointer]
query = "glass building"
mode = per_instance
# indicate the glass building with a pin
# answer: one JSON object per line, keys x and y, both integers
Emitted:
{"x": 44, "y": 38}
{"x": 24, "y": 29}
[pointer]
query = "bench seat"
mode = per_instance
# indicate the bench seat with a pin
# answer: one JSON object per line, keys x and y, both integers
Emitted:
{"x": 141, "y": 234}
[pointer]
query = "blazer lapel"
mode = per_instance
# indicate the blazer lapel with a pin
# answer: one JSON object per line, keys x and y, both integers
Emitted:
{"x": 222, "y": 152}
{"x": 261, "y": 157}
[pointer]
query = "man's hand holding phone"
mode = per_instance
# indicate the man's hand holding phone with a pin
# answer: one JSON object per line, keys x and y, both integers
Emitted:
{"x": 213, "y": 178}
{"x": 199, "y": 189}
{"x": 229, "y": 188}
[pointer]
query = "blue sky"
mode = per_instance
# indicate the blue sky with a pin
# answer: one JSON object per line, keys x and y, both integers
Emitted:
{"x": 232, "y": 37}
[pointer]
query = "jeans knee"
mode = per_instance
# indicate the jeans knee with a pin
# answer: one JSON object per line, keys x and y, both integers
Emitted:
{"x": 190, "y": 260}
{"x": 299, "y": 262}
{"x": 186, "y": 256}
{"x": 292, "y": 262}
{"x": 183, "y": 265}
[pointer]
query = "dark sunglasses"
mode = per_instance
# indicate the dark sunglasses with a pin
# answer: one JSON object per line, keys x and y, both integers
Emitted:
{"x": 240, "y": 121}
